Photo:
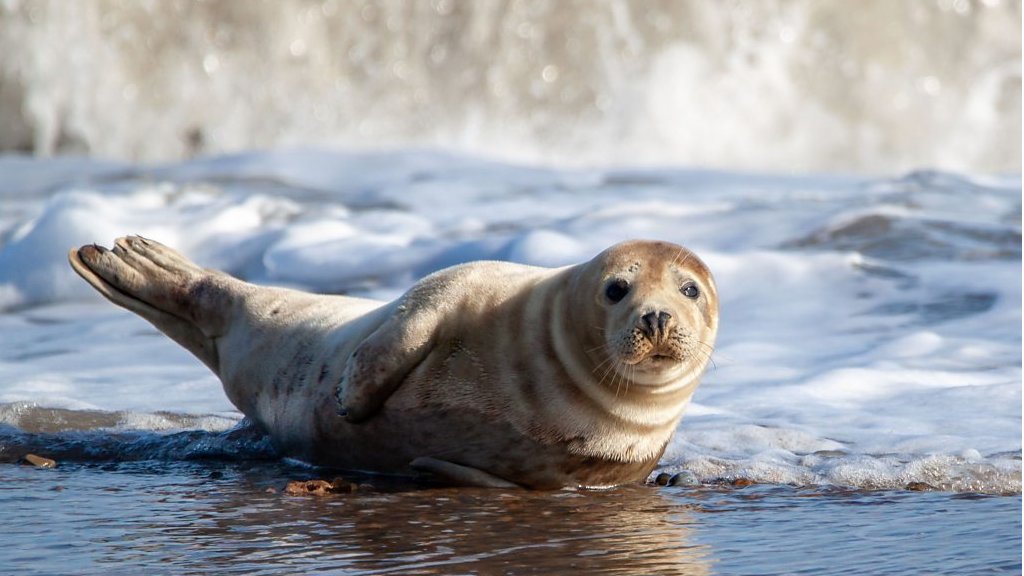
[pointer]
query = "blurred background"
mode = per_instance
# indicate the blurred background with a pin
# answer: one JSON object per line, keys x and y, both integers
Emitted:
{"x": 873, "y": 86}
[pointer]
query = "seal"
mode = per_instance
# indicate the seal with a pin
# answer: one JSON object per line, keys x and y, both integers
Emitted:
{"x": 486, "y": 373}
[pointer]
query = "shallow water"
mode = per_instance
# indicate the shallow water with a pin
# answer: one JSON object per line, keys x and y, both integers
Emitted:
{"x": 233, "y": 518}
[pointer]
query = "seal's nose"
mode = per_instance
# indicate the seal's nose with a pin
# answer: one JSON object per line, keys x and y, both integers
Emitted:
{"x": 655, "y": 324}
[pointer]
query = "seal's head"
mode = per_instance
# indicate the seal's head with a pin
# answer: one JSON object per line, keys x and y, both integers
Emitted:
{"x": 656, "y": 312}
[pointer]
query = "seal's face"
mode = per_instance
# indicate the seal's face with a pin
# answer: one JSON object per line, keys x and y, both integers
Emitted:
{"x": 660, "y": 310}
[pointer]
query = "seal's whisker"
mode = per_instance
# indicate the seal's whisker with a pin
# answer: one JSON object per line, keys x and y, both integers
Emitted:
{"x": 612, "y": 371}
{"x": 711, "y": 353}
{"x": 618, "y": 381}
{"x": 624, "y": 382}
{"x": 686, "y": 256}
{"x": 708, "y": 358}
{"x": 705, "y": 344}
{"x": 603, "y": 363}
{"x": 609, "y": 370}
{"x": 675, "y": 259}
{"x": 707, "y": 354}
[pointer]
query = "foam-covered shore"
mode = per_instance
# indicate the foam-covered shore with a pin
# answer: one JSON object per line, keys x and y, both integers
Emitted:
{"x": 870, "y": 328}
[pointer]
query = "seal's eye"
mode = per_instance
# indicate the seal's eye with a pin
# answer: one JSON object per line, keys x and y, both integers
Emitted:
{"x": 690, "y": 290}
{"x": 617, "y": 290}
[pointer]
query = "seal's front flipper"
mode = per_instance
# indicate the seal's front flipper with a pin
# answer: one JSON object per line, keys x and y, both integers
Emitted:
{"x": 459, "y": 474}
{"x": 380, "y": 364}
{"x": 384, "y": 360}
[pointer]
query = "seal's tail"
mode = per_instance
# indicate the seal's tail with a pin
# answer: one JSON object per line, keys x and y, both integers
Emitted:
{"x": 162, "y": 286}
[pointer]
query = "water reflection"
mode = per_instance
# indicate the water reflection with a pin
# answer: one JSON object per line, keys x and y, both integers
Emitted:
{"x": 217, "y": 518}
{"x": 226, "y": 522}
{"x": 445, "y": 531}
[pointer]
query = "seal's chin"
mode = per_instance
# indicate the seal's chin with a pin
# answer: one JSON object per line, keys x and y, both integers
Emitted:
{"x": 652, "y": 369}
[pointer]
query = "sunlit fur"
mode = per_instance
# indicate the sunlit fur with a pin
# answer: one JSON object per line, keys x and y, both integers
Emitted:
{"x": 514, "y": 373}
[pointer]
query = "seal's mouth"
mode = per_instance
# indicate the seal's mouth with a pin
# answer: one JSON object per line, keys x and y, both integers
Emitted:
{"x": 636, "y": 349}
{"x": 658, "y": 361}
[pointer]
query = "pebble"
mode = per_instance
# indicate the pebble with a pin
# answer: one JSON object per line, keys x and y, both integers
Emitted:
{"x": 830, "y": 453}
{"x": 314, "y": 487}
{"x": 321, "y": 487}
{"x": 340, "y": 485}
{"x": 684, "y": 478}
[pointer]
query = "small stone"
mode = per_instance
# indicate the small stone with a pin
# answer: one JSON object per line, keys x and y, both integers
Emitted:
{"x": 684, "y": 478}
{"x": 742, "y": 482}
{"x": 314, "y": 487}
{"x": 339, "y": 484}
{"x": 39, "y": 461}
{"x": 662, "y": 479}
{"x": 920, "y": 487}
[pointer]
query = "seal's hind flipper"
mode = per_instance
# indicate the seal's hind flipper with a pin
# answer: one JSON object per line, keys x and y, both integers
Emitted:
{"x": 459, "y": 474}
{"x": 156, "y": 283}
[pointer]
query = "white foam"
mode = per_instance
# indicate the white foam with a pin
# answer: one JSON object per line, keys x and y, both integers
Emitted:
{"x": 545, "y": 248}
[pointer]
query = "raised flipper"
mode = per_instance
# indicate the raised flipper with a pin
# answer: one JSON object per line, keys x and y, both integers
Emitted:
{"x": 459, "y": 474}
{"x": 159, "y": 284}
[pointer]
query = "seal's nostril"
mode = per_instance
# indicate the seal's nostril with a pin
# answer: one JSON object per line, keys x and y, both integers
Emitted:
{"x": 649, "y": 324}
{"x": 655, "y": 324}
{"x": 663, "y": 320}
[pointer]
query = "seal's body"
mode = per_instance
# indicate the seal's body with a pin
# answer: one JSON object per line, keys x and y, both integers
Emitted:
{"x": 487, "y": 373}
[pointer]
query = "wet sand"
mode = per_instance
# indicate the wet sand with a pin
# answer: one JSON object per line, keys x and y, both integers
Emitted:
{"x": 234, "y": 518}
